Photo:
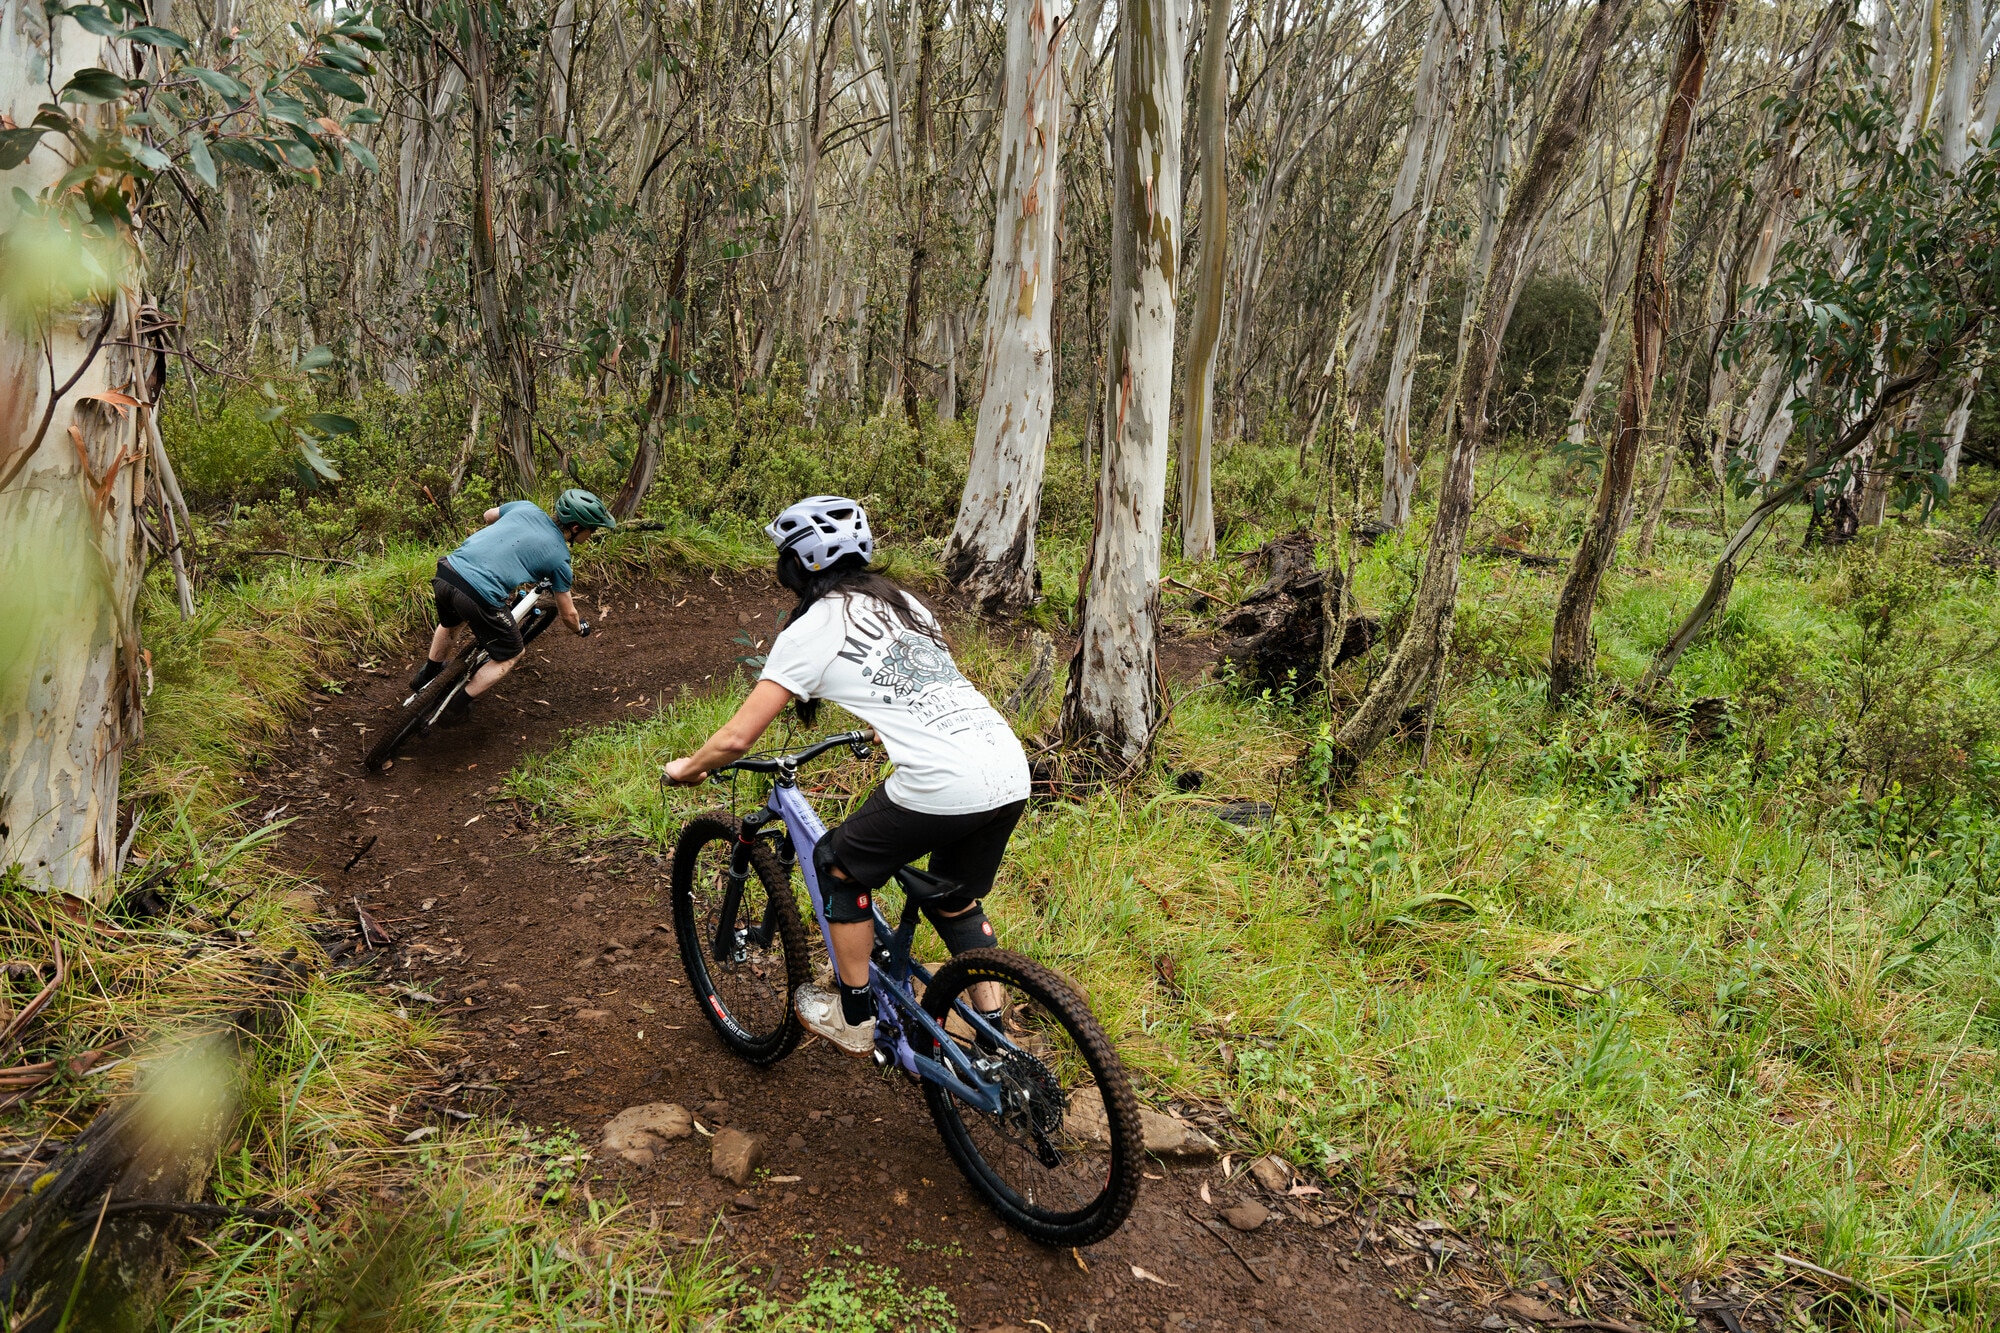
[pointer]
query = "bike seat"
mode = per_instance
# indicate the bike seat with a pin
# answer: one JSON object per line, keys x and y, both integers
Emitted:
{"x": 922, "y": 886}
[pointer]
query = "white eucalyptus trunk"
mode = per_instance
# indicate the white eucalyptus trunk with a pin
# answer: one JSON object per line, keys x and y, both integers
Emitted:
{"x": 1593, "y": 375}
{"x": 1433, "y": 97}
{"x": 991, "y": 554}
{"x": 1112, "y": 699}
{"x": 71, "y": 560}
{"x": 1197, "y": 506}
{"x": 1399, "y": 460}
{"x": 1956, "y": 115}
{"x": 1955, "y": 426}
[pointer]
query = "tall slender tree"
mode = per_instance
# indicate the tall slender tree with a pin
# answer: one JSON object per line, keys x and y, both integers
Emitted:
{"x": 991, "y": 554}
{"x": 1434, "y": 606}
{"x": 1112, "y": 699}
{"x": 1572, "y": 649}
{"x": 1205, "y": 338}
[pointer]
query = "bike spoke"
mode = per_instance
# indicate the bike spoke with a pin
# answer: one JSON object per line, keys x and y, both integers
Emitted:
{"x": 745, "y": 962}
{"x": 1034, "y": 1148}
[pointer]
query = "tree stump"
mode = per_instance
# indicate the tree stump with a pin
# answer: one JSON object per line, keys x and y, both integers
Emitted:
{"x": 1277, "y": 632}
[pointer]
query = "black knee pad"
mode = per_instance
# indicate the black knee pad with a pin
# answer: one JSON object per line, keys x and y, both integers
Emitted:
{"x": 846, "y": 901}
{"x": 968, "y": 930}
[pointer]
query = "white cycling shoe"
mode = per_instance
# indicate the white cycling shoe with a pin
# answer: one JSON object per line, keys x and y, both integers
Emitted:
{"x": 819, "y": 1009}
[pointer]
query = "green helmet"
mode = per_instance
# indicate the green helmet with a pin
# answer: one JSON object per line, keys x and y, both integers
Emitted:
{"x": 583, "y": 509}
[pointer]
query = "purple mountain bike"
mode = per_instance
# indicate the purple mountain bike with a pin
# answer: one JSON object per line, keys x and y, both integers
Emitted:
{"x": 1036, "y": 1110}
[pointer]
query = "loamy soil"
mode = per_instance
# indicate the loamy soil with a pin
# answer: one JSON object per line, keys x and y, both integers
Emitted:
{"x": 557, "y": 968}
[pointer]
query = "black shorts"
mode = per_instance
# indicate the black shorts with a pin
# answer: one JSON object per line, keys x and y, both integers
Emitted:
{"x": 882, "y": 837}
{"x": 458, "y": 604}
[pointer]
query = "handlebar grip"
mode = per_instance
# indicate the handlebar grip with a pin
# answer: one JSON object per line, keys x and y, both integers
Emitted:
{"x": 583, "y": 629}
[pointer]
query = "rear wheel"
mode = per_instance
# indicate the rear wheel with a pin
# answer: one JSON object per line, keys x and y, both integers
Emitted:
{"x": 411, "y": 714}
{"x": 737, "y": 924}
{"x": 1060, "y": 1161}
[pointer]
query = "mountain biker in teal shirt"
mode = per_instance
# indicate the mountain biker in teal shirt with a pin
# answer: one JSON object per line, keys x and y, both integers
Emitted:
{"x": 519, "y": 545}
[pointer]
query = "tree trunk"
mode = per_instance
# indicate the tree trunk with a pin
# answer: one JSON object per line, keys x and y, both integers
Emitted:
{"x": 1955, "y": 425}
{"x": 74, "y": 473}
{"x": 1432, "y": 98}
{"x": 1434, "y": 604}
{"x": 1764, "y": 423}
{"x": 920, "y": 231}
{"x": 1617, "y": 276}
{"x": 1723, "y": 577}
{"x": 506, "y": 356}
{"x": 1112, "y": 699}
{"x": 1399, "y": 461}
{"x": 668, "y": 370}
{"x": 1572, "y": 649}
{"x": 1492, "y": 198}
{"x": 799, "y": 237}
{"x": 1205, "y": 338}
{"x": 991, "y": 555}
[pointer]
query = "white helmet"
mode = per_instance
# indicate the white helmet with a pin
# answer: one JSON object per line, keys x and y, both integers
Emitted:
{"x": 820, "y": 529}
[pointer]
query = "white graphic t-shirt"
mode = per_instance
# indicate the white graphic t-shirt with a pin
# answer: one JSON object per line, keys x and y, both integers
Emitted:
{"x": 954, "y": 754}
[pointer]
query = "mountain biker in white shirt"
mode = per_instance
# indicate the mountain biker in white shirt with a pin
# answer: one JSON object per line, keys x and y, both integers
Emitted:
{"x": 960, "y": 779}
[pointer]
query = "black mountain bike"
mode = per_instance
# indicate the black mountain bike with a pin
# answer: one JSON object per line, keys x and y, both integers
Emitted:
{"x": 534, "y": 611}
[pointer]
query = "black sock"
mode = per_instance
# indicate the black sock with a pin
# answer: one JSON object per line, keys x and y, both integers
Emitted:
{"x": 427, "y": 675}
{"x": 857, "y": 1004}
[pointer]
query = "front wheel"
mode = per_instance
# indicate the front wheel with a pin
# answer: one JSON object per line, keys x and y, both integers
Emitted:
{"x": 737, "y": 924}
{"x": 416, "y": 709}
{"x": 1060, "y": 1161}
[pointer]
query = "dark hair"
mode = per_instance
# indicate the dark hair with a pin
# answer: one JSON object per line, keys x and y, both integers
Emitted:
{"x": 848, "y": 577}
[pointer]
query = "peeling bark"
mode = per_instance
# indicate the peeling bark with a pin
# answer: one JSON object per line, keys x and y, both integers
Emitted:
{"x": 1434, "y": 605}
{"x": 74, "y": 474}
{"x": 1112, "y": 700}
{"x": 1572, "y": 649}
{"x": 991, "y": 554}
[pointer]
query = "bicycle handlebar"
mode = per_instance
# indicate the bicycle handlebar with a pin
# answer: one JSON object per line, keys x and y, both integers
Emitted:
{"x": 856, "y": 741}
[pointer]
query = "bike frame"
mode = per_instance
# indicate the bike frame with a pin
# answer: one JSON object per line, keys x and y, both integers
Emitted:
{"x": 523, "y": 608}
{"x": 890, "y": 969}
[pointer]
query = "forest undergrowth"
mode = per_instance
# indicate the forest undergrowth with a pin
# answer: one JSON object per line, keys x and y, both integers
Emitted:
{"x": 1603, "y": 994}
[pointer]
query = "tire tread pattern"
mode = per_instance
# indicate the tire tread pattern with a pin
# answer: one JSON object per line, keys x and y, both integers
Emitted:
{"x": 1121, "y": 1106}
{"x": 411, "y": 715}
{"x": 720, "y": 825}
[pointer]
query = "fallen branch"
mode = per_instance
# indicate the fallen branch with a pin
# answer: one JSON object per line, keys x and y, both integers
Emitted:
{"x": 1230, "y": 1245}
{"x": 1853, "y": 1283}
{"x": 355, "y": 859}
{"x": 10, "y": 1036}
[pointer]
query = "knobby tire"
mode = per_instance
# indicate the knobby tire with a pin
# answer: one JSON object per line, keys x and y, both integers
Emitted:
{"x": 773, "y": 1044}
{"x": 411, "y": 716}
{"x": 1107, "y": 1212}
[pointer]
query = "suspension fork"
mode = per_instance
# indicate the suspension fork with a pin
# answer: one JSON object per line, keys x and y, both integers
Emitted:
{"x": 724, "y": 946}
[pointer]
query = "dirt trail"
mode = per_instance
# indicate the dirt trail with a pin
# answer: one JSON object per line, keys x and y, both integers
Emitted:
{"x": 517, "y": 938}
